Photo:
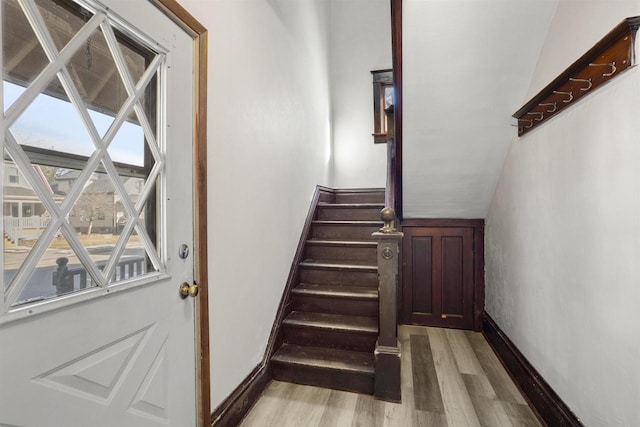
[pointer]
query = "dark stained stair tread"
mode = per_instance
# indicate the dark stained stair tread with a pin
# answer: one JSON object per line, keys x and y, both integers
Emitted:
{"x": 336, "y": 291}
{"x": 349, "y": 223}
{"x": 360, "y": 196}
{"x": 343, "y": 250}
{"x": 325, "y": 358}
{"x": 337, "y": 298}
{"x": 351, "y": 265}
{"x": 351, "y": 205}
{"x": 342, "y": 243}
{"x": 333, "y": 322}
{"x": 349, "y": 211}
{"x": 333, "y": 229}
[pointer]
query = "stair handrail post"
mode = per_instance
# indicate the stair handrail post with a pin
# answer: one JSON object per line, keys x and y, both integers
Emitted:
{"x": 390, "y": 193}
{"x": 387, "y": 352}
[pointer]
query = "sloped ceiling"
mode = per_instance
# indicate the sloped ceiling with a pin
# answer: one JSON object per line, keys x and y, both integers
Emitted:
{"x": 467, "y": 67}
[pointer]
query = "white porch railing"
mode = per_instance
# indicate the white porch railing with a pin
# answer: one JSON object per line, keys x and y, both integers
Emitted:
{"x": 24, "y": 228}
{"x": 27, "y": 222}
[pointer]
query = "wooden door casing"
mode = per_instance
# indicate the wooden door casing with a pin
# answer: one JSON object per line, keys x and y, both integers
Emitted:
{"x": 442, "y": 273}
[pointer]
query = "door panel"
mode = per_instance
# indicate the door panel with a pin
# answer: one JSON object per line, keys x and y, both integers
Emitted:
{"x": 422, "y": 301}
{"x": 92, "y": 329}
{"x": 452, "y": 276}
{"x": 438, "y": 276}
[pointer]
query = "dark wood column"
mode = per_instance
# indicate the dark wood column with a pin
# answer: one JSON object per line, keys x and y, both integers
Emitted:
{"x": 387, "y": 352}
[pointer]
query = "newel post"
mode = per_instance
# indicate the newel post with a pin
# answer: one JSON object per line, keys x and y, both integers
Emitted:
{"x": 387, "y": 353}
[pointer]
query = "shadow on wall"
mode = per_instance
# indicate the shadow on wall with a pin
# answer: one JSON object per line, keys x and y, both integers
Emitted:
{"x": 297, "y": 16}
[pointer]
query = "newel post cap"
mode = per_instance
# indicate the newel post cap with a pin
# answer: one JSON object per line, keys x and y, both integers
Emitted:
{"x": 388, "y": 215}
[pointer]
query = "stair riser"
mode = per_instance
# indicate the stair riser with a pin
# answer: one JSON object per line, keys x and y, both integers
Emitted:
{"x": 348, "y": 214}
{"x": 318, "y": 252}
{"x": 329, "y": 338}
{"x": 337, "y": 277}
{"x": 343, "y": 232}
{"x": 327, "y": 378}
{"x": 317, "y": 304}
{"x": 373, "y": 197}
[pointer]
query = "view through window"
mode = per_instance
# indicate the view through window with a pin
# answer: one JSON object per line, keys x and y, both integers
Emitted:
{"x": 82, "y": 165}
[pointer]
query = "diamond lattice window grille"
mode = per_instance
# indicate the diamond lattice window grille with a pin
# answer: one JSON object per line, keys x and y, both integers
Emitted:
{"x": 66, "y": 78}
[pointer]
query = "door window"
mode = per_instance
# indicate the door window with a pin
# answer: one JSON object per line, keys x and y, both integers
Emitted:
{"x": 82, "y": 151}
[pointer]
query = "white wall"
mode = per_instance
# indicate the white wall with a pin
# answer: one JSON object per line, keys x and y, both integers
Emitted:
{"x": 269, "y": 145}
{"x": 467, "y": 66}
{"x": 360, "y": 42}
{"x": 563, "y": 232}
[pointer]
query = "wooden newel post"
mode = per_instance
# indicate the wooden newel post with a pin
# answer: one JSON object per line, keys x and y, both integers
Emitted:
{"x": 387, "y": 353}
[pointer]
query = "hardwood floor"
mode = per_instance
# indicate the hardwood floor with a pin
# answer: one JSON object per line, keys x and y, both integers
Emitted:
{"x": 450, "y": 378}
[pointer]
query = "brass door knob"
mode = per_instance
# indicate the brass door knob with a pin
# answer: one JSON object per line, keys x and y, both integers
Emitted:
{"x": 187, "y": 290}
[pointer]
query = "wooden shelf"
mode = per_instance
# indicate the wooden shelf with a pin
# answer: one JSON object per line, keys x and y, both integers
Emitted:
{"x": 608, "y": 58}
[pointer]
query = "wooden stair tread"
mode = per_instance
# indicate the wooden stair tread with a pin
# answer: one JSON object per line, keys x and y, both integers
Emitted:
{"x": 333, "y": 322}
{"x": 325, "y": 358}
{"x": 351, "y": 205}
{"x": 349, "y": 223}
{"x": 359, "y": 190}
{"x": 346, "y": 265}
{"x": 343, "y": 243}
{"x": 336, "y": 291}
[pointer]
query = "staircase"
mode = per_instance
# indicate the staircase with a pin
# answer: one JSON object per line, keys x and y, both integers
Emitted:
{"x": 329, "y": 335}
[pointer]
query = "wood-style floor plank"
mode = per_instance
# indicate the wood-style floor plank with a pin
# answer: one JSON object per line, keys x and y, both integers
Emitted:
{"x": 369, "y": 412}
{"x": 339, "y": 409}
{"x": 268, "y": 409}
{"x": 472, "y": 385}
{"x": 504, "y": 387}
{"x": 479, "y": 385}
{"x": 408, "y": 413}
{"x": 457, "y": 403}
{"x": 490, "y": 412}
{"x": 304, "y": 406}
{"x": 428, "y": 419}
{"x": 521, "y": 415}
{"x": 426, "y": 389}
{"x": 463, "y": 353}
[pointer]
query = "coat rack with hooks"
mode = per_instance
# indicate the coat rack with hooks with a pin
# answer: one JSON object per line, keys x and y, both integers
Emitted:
{"x": 612, "y": 55}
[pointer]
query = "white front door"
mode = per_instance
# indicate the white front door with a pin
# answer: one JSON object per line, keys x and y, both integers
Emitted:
{"x": 97, "y": 102}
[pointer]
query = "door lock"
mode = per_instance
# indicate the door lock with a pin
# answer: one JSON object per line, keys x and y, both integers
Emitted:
{"x": 187, "y": 290}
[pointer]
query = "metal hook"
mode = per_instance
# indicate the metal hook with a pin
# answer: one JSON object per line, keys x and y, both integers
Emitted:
{"x": 530, "y": 122}
{"x": 583, "y": 80}
{"x": 612, "y": 65}
{"x": 565, "y": 93}
{"x": 537, "y": 112}
{"x": 555, "y": 106}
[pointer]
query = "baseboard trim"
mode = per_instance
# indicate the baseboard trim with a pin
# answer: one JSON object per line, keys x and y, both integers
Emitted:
{"x": 236, "y": 406}
{"x": 548, "y": 405}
